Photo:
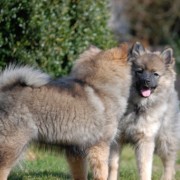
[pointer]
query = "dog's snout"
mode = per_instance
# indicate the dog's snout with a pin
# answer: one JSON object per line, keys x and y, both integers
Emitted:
{"x": 146, "y": 82}
{"x": 145, "y": 79}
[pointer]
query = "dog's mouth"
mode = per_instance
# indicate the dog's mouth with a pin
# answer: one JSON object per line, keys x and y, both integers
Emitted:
{"x": 145, "y": 91}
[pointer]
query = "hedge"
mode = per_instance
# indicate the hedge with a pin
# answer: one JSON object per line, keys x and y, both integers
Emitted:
{"x": 51, "y": 33}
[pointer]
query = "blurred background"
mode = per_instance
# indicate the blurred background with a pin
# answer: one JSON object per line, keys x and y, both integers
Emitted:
{"x": 50, "y": 34}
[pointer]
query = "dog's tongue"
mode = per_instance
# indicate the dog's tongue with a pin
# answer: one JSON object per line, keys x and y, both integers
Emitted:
{"x": 145, "y": 92}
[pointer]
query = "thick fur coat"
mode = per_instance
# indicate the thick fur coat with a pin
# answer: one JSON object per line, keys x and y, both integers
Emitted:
{"x": 152, "y": 122}
{"x": 82, "y": 109}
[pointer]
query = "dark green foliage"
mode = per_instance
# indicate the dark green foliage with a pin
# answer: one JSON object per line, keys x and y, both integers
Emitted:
{"x": 51, "y": 33}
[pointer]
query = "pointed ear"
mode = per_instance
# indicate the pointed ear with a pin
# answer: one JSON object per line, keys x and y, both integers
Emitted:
{"x": 89, "y": 53}
{"x": 167, "y": 56}
{"x": 93, "y": 48}
{"x": 137, "y": 49}
{"x": 120, "y": 53}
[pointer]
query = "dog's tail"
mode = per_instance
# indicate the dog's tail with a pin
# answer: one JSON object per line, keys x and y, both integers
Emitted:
{"x": 24, "y": 75}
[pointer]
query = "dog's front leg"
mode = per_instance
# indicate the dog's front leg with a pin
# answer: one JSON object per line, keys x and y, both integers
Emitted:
{"x": 169, "y": 161}
{"x": 114, "y": 160}
{"x": 78, "y": 166}
{"x": 144, "y": 158}
{"x": 98, "y": 156}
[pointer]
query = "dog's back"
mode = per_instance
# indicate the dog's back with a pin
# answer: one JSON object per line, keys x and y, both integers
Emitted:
{"x": 49, "y": 109}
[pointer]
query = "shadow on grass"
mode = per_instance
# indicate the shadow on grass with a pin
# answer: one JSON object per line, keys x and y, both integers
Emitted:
{"x": 42, "y": 175}
{"x": 34, "y": 175}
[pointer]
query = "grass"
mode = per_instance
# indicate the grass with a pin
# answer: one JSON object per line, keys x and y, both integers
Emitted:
{"x": 41, "y": 165}
{"x": 128, "y": 169}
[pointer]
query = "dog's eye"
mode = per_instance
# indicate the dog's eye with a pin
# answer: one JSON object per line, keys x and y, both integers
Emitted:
{"x": 139, "y": 71}
{"x": 156, "y": 74}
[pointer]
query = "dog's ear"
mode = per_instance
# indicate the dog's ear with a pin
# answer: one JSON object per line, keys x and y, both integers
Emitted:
{"x": 167, "y": 56}
{"x": 119, "y": 53}
{"x": 93, "y": 48}
{"x": 137, "y": 49}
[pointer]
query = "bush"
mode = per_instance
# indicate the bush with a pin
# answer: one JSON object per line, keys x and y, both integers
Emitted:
{"x": 51, "y": 34}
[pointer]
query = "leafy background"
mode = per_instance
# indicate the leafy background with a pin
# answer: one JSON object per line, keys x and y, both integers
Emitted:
{"x": 51, "y": 34}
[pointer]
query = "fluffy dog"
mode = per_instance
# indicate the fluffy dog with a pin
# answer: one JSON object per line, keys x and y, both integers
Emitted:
{"x": 151, "y": 122}
{"x": 82, "y": 109}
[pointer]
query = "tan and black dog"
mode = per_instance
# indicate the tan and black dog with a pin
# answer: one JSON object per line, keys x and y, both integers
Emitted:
{"x": 82, "y": 109}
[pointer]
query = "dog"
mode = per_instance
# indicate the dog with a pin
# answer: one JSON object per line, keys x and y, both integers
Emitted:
{"x": 82, "y": 109}
{"x": 151, "y": 123}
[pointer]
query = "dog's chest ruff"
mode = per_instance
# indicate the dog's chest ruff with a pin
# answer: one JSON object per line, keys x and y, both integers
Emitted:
{"x": 138, "y": 122}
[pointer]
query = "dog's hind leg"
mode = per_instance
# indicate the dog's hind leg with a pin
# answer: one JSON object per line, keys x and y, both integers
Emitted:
{"x": 9, "y": 154}
{"x": 114, "y": 161}
{"x": 98, "y": 156}
{"x": 12, "y": 144}
{"x": 144, "y": 158}
{"x": 4, "y": 173}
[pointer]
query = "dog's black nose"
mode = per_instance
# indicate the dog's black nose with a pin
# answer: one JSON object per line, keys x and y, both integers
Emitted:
{"x": 146, "y": 82}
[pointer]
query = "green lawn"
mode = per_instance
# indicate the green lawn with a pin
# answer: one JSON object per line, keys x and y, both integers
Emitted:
{"x": 50, "y": 166}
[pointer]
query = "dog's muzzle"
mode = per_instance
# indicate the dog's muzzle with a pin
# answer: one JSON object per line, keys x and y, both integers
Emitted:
{"x": 146, "y": 82}
{"x": 145, "y": 88}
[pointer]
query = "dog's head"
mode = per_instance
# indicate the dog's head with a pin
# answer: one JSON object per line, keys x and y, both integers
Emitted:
{"x": 149, "y": 68}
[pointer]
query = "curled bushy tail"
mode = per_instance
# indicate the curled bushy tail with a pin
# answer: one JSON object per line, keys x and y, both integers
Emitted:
{"x": 24, "y": 75}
